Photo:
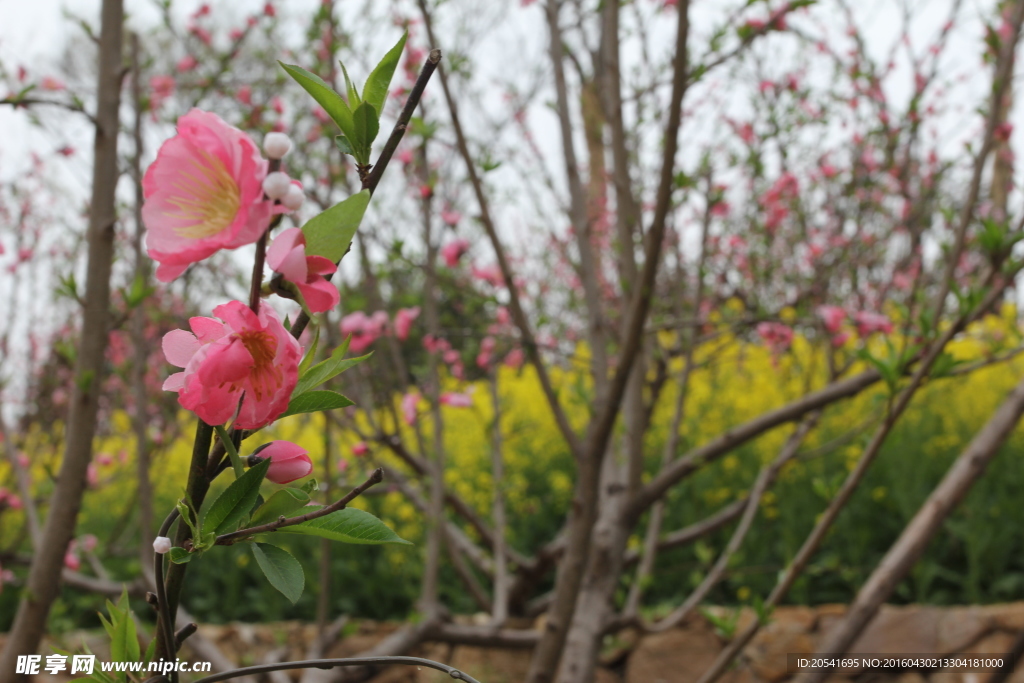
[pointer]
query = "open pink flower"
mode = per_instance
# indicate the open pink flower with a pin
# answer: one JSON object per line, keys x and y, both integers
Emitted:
{"x": 490, "y": 273}
{"x": 403, "y": 321}
{"x": 868, "y": 323}
{"x": 409, "y": 402}
{"x": 288, "y": 461}
{"x": 453, "y": 251}
{"x": 832, "y": 316}
{"x": 456, "y": 400}
{"x": 287, "y": 255}
{"x": 203, "y": 193}
{"x": 777, "y": 336}
{"x": 364, "y": 329}
{"x": 246, "y": 356}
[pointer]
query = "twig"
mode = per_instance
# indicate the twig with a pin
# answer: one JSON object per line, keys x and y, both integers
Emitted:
{"x": 227, "y": 539}
{"x": 371, "y": 180}
{"x": 332, "y": 663}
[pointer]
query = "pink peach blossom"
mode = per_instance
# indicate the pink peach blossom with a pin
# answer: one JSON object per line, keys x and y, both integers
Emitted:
{"x": 247, "y": 355}
{"x": 832, "y": 316}
{"x": 490, "y": 274}
{"x": 288, "y": 461}
{"x": 451, "y": 217}
{"x": 777, "y": 336}
{"x": 360, "y": 449}
{"x": 403, "y": 321}
{"x": 453, "y": 251}
{"x": 409, "y": 402}
{"x": 456, "y": 399}
{"x": 514, "y": 359}
{"x": 52, "y": 84}
{"x": 203, "y": 193}
{"x": 287, "y": 255}
{"x": 186, "y": 63}
{"x": 357, "y": 325}
{"x": 869, "y": 323}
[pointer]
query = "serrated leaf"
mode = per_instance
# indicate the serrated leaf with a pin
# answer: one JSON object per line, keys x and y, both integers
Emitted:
{"x": 344, "y": 145}
{"x": 179, "y": 555}
{"x": 328, "y": 234}
{"x": 327, "y": 369}
{"x": 350, "y": 525}
{"x": 281, "y": 569}
{"x": 107, "y": 626}
{"x": 235, "y": 502}
{"x": 378, "y": 83}
{"x": 124, "y": 645}
{"x": 317, "y": 401}
{"x": 365, "y": 127}
{"x": 324, "y": 94}
{"x": 283, "y": 502}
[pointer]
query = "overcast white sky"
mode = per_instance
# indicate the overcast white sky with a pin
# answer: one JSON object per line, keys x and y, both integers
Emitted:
{"x": 35, "y": 33}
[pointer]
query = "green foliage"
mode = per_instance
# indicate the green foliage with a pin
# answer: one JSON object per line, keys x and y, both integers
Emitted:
{"x": 316, "y": 401}
{"x": 281, "y": 569}
{"x": 349, "y": 525}
{"x": 330, "y": 233}
{"x": 359, "y": 117}
{"x": 283, "y": 502}
{"x": 234, "y": 504}
{"x": 327, "y": 369}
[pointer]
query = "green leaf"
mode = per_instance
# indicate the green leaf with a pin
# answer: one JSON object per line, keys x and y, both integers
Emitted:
{"x": 350, "y": 525}
{"x": 327, "y": 369}
{"x": 107, "y": 626}
{"x": 282, "y": 570}
{"x": 316, "y": 401}
{"x": 365, "y": 127}
{"x": 353, "y": 94}
{"x": 179, "y": 555}
{"x": 311, "y": 354}
{"x": 124, "y": 645}
{"x": 328, "y": 234}
{"x": 150, "y": 651}
{"x": 310, "y": 486}
{"x": 332, "y": 102}
{"x": 235, "y": 502}
{"x": 344, "y": 145}
{"x": 375, "y": 90}
{"x": 185, "y": 512}
{"x": 282, "y": 502}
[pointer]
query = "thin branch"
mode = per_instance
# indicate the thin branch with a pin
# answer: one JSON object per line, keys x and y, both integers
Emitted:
{"x": 376, "y": 477}
{"x": 371, "y": 180}
{"x": 333, "y": 663}
{"x": 515, "y": 305}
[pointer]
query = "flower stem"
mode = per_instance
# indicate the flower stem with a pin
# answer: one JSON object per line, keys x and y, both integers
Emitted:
{"x": 229, "y": 446}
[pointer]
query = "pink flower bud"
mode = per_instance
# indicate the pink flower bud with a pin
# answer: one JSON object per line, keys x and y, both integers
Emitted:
{"x": 360, "y": 449}
{"x": 161, "y": 544}
{"x": 288, "y": 461}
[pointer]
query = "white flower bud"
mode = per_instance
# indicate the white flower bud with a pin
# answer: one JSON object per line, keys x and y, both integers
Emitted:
{"x": 276, "y": 145}
{"x": 294, "y": 197}
{"x": 276, "y": 184}
{"x": 161, "y": 544}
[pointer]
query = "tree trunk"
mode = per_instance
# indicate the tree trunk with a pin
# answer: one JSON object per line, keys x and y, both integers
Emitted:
{"x": 44, "y": 574}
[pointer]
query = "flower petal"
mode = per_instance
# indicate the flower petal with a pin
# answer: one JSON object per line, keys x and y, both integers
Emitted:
{"x": 179, "y": 346}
